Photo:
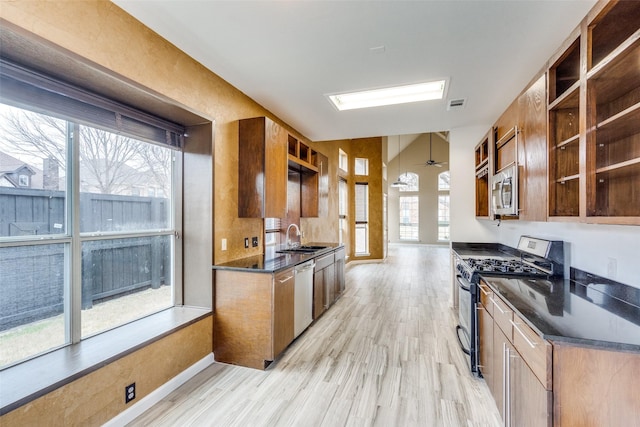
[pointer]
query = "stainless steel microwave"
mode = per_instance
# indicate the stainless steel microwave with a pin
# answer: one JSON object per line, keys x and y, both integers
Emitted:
{"x": 504, "y": 191}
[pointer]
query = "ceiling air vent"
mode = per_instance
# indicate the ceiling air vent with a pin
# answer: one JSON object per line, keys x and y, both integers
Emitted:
{"x": 456, "y": 104}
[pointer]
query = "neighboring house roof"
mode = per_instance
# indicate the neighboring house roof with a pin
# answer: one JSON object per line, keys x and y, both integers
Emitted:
{"x": 10, "y": 168}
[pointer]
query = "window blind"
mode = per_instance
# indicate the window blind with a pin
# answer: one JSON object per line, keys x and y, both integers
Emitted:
{"x": 31, "y": 90}
{"x": 362, "y": 202}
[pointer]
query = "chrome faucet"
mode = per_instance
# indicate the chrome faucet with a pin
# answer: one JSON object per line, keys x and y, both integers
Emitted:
{"x": 289, "y": 244}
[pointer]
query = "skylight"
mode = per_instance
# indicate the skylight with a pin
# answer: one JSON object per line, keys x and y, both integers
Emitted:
{"x": 389, "y": 96}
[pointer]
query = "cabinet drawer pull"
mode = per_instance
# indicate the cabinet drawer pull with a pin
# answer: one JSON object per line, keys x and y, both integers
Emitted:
{"x": 515, "y": 325}
{"x": 483, "y": 291}
{"x": 500, "y": 308}
{"x": 286, "y": 279}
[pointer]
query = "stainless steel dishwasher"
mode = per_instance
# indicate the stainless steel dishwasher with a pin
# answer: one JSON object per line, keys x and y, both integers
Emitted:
{"x": 303, "y": 297}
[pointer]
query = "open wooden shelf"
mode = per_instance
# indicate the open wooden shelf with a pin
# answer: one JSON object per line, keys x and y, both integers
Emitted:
{"x": 594, "y": 140}
{"x": 483, "y": 155}
{"x": 301, "y": 157}
{"x": 616, "y": 191}
{"x": 569, "y": 99}
{"x": 611, "y": 29}
{"x": 565, "y": 73}
{"x": 564, "y": 198}
{"x": 571, "y": 140}
{"x": 568, "y": 178}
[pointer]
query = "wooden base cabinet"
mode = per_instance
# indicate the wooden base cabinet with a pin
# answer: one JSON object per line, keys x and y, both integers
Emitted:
{"x": 328, "y": 281}
{"x": 529, "y": 403}
{"x": 253, "y": 316}
{"x": 340, "y": 265}
{"x": 485, "y": 346}
{"x": 538, "y": 383}
{"x": 521, "y": 397}
{"x": 595, "y": 387}
{"x": 324, "y": 284}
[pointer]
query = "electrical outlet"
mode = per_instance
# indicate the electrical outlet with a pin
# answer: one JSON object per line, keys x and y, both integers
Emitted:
{"x": 246, "y": 242}
{"x": 224, "y": 244}
{"x": 129, "y": 393}
{"x": 254, "y": 241}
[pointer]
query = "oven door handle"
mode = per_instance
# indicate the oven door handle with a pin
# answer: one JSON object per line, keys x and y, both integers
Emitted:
{"x": 461, "y": 284}
{"x": 465, "y": 350}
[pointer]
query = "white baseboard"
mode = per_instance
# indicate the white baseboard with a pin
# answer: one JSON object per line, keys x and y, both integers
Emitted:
{"x": 158, "y": 394}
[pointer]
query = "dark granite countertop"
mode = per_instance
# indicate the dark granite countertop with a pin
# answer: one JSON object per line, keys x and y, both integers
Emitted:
{"x": 474, "y": 250}
{"x": 583, "y": 309}
{"x": 573, "y": 312}
{"x": 272, "y": 262}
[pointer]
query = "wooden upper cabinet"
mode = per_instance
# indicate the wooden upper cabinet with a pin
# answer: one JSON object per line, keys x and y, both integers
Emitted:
{"x": 315, "y": 189}
{"x": 564, "y": 133}
{"x": 262, "y": 169}
{"x": 594, "y": 119}
{"x": 613, "y": 115}
{"x": 532, "y": 152}
{"x": 520, "y": 136}
{"x": 483, "y": 161}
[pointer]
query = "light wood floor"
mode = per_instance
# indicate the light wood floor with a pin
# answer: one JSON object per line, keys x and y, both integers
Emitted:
{"x": 385, "y": 354}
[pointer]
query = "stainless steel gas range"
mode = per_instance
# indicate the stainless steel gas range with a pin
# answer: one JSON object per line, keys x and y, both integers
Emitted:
{"x": 532, "y": 258}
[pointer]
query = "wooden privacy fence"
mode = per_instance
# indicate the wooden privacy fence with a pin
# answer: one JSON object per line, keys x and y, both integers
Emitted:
{"x": 32, "y": 277}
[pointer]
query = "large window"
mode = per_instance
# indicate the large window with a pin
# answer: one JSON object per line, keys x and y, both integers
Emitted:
{"x": 443, "y": 206}
{"x": 343, "y": 160}
{"x": 409, "y": 218}
{"x": 362, "y": 219}
{"x": 361, "y": 166}
{"x": 411, "y": 179}
{"x": 343, "y": 209}
{"x": 87, "y": 241}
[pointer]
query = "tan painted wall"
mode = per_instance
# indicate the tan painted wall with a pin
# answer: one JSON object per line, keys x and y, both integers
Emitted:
{"x": 370, "y": 148}
{"x": 326, "y": 229}
{"x": 99, "y": 396}
{"x": 103, "y": 33}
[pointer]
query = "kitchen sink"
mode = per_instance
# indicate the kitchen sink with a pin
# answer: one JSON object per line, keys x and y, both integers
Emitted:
{"x": 301, "y": 250}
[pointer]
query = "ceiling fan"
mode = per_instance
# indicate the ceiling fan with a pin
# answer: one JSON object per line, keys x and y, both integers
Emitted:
{"x": 432, "y": 162}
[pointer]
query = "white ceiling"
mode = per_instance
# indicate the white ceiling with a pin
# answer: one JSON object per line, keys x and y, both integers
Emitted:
{"x": 287, "y": 55}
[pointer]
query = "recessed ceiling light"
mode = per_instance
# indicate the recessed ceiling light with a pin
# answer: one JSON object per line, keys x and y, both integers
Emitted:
{"x": 389, "y": 96}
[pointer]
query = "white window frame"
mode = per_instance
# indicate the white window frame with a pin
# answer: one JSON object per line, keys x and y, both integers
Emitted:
{"x": 361, "y": 236}
{"x": 444, "y": 207}
{"x": 343, "y": 161}
{"x": 412, "y": 180}
{"x": 361, "y": 166}
{"x": 413, "y": 228}
{"x": 23, "y": 180}
{"x": 72, "y": 239}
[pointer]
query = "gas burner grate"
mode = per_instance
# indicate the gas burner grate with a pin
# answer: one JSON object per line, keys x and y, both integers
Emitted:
{"x": 503, "y": 266}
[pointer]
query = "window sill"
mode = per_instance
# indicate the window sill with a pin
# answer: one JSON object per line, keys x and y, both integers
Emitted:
{"x": 34, "y": 378}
